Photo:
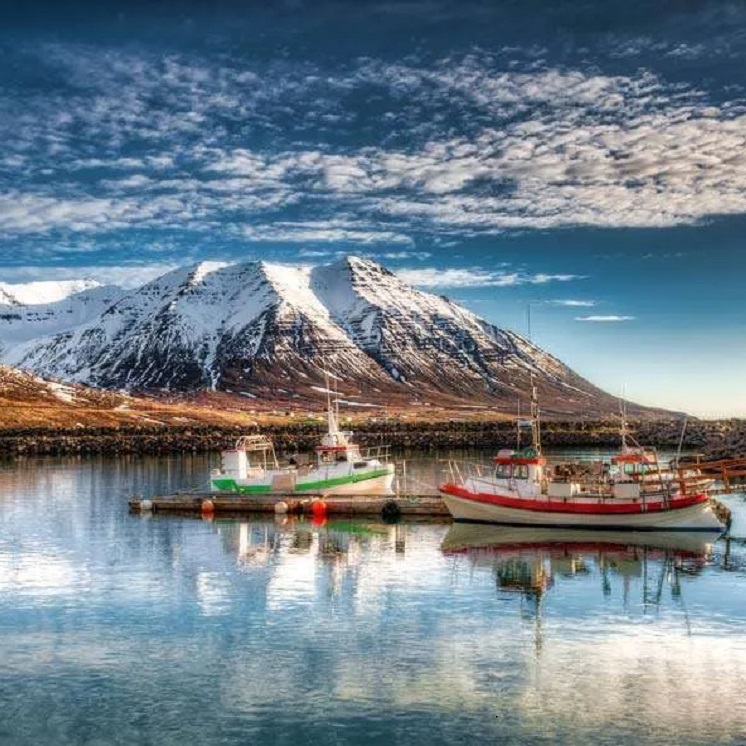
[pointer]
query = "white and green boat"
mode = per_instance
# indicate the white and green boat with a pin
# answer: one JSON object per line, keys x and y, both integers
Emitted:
{"x": 341, "y": 468}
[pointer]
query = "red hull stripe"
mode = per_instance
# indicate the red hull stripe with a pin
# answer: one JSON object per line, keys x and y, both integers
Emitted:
{"x": 563, "y": 548}
{"x": 556, "y": 505}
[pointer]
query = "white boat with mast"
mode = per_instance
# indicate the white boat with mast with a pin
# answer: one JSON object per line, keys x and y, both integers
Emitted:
{"x": 341, "y": 467}
{"x": 633, "y": 492}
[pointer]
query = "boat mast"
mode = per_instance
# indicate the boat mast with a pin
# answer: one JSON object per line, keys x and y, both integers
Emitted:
{"x": 535, "y": 423}
{"x": 332, "y": 411}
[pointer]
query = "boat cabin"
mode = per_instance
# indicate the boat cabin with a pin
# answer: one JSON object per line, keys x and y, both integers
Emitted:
{"x": 252, "y": 455}
{"x": 336, "y": 445}
{"x": 635, "y": 464}
{"x": 526, "y": 464}
{"x": 347, "y": 452}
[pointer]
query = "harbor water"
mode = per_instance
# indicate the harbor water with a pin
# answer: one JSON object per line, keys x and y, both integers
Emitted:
{"x": 129, "y": 629}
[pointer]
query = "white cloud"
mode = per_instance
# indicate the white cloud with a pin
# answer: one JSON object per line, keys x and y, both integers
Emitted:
{"x": 572, "y": 303}
{"x": 527, "y": 149}
{"x": 604, "y": 318}
{"x": 128, "y": 277}
{"x": 474, "y": 277}
{"x": 321, "y": 233}
{"x": 420, "y": 255}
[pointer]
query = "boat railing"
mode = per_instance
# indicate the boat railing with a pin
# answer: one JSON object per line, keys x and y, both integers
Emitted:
{"x": 459, "y": 471}
{"x": 381, "y": 452}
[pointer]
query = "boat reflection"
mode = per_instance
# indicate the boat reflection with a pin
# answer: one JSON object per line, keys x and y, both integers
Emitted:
{"x": 529, "y": 560}
{"x": 466, "y": 536}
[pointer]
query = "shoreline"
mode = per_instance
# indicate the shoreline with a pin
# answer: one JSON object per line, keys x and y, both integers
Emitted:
{"x": 711, "y": 437}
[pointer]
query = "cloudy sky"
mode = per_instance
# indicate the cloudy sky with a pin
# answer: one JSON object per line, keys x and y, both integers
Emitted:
{"x": 579, "y": 163}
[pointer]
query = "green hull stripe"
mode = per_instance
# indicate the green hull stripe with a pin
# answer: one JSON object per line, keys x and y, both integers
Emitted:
{"x": 229, "y": 485}
{"x": 337, "y": 481}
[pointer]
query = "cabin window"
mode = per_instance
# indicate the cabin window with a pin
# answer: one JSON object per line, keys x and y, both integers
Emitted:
{"x": 511, "y": 471}
{"x": 359, "y": 464}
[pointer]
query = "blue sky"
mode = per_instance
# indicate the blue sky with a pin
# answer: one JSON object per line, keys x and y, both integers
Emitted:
{"x": 583, "y": 159}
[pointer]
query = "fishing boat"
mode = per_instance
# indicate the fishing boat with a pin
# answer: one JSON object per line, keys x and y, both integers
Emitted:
{"x": 634, "y": 492}
{"x": 341, "y": 467}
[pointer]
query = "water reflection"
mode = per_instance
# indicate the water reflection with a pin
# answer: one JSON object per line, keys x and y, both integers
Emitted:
{"x": 529, "y": 560}
{"x": 166, "y": 629}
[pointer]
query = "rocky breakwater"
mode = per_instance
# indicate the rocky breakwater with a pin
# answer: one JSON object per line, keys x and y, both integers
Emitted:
{"x": 604, "y": 433}
{"x": 728, "y": 441}
{"x": 301, "y": 437}
{"x": 143, "y": 440}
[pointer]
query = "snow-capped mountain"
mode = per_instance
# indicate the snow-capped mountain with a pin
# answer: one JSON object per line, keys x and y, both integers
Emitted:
{"x": 266, "y": 329}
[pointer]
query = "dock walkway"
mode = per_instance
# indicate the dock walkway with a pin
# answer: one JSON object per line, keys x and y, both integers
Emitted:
{"x": 386, "y": 506}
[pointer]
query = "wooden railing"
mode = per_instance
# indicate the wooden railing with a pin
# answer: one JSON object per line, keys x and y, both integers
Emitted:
{"x": 726, "y": 470}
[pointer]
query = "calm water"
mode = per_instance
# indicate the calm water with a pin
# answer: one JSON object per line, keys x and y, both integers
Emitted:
{"x": 120, "y": 629}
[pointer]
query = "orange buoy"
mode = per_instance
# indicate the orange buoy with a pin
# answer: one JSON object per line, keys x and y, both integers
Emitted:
{"x": 208, "y": 507}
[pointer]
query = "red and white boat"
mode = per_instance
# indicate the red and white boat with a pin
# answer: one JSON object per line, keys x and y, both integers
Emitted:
{"x": 634, "y": 492}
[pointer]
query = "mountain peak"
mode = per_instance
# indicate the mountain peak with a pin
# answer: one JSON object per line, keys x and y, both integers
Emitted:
{"x": 358, "y": 263}
{"x": 202, "y": 269}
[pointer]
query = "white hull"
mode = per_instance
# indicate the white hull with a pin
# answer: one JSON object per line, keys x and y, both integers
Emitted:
{"x": 700, "y": 517}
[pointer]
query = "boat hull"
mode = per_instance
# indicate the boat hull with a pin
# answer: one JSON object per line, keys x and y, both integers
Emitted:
{"x": 380, "y": 484}
{"x": 376, "y": 481}
{"x": 695, "y": 517}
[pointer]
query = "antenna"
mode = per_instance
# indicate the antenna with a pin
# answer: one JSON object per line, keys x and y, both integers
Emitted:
{"x": 681, "y": 440}
{"x": 330, "y": 413}
{"x": 623, "y": 415}
{"x": 535, "y": 424}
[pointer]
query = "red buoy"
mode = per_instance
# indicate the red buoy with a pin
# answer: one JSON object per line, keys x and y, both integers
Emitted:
{"x": 318, "y": 508}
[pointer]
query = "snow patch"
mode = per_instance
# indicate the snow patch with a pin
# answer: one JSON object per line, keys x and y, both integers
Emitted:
{"x": 62, "y": 392}
{"x": 46, "y": 291}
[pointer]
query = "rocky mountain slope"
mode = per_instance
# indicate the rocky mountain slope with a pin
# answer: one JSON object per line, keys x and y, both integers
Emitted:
{"x": 265, "y": 330}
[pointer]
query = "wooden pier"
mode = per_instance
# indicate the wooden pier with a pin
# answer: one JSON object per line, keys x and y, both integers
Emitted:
{"x": 731, "y": 472}
{"x": 383, "y": 506}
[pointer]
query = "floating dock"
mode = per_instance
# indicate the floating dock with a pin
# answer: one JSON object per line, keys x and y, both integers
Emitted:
{"x": 384, "y": 506}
